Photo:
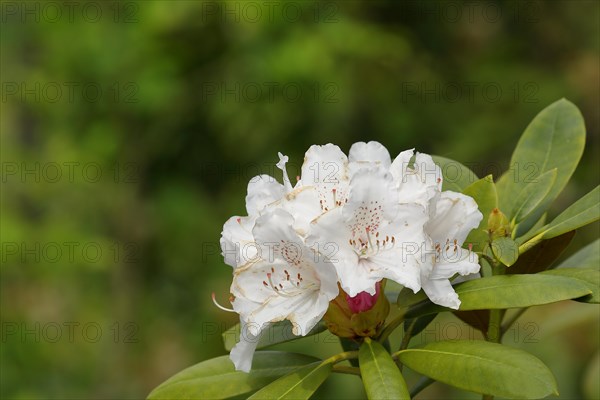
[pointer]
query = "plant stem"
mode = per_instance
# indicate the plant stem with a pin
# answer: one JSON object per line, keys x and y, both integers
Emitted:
{"x": 406, "y": 340}
{"x": 506, "y": 326}
{"x": 343, "y": 369}
{"x": 494, "y": 332}
{"x": 347, "y": 355}
{"x": 387, "y": 331}
{"x": 424, "y": 382}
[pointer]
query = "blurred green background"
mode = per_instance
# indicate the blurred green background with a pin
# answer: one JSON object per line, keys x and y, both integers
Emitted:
{"x": 129, "y": 131}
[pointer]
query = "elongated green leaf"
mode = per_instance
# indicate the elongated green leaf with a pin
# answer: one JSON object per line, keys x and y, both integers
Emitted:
{"x": 506, "y": 250}
{"x": 584, "y": 211}
{"x": 541, "y": 256}
{"x": 380, "y": 375}
{"x": 484, "y": 193}
{"x": 554, "y": 139}
{"x": 508, "y": 291}
{"x": 523, "y": 237}
{"x": 532, "y": 195}
{"x": 456, "y": 175}
{"x": 300, "y": 384}
{"x": 278, "y": 332}
{"x": 588, "y": 257}
{"x": 218, "y": 379}
{"x": 589, "y": 276}
{"x": 483, "y": 367}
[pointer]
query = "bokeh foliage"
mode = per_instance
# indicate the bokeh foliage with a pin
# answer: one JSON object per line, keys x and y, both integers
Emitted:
{"x": 179, "y": 129}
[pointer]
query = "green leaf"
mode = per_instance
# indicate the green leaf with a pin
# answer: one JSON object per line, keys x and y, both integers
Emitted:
{"x": 417, "y": 325}
{"x": 482, "y": 367}
{"x": 218, "y": 379}
{"x": 584, "y": 211}
{"x": 589, "y": 276}
{"x": 300, "y": 384}
{"x": 456, "y": 176}
{"x": 508, "y": 291}
{"x": 554, "y": 139}
{"x": 278, "y": 332}
{"x": 380, "y": 375}
{"x": 505, "y": 250}
{"x": 484, "y": 193}
{"x": 532, "y": 195}
{"x": 588, "y": 257}
{"x": 541, "y": 256}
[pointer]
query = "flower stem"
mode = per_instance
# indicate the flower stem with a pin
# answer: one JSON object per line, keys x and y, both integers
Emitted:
{"x": 347, "y": 355}
{"x": 424, "y": 382}
{"x": 387, "y": 331}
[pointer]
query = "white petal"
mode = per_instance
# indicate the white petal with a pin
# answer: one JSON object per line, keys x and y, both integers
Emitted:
{"x": 367, "y": 153}
{"x": 237, "y": 243}
{"x": 418, "y": 183}
{"x": 281, "y": 165}
{"x": 326, "y": 168}
{"x": 242, "y": 353}
{"x": 400, "y": 164}
{"x": 307, "y": 314}
{"x": 303, "y": 204}
{"x": 450, "y": 263}
{"x": 440, "y": 292}
{"x": 372, "y": 202}
{"x": 456, "y": 215}
{"x": 262, "y": 191}
{"x": 277, "y": 239}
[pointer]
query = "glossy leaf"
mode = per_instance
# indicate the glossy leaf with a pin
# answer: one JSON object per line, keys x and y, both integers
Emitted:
{"x": 484, "y": 193}
{"x": 218, "y": 379}
{"x": 541, "y": 256}
{"x": 588, "y": 257}
{"x": 584, "y": 211}
{"x": 278, "y": 332}
{"x": 508, "y": 291}
{"x": 532, "y": 195}
{"x": 482, "y": 367}
{"x": 380, "y": 375}
{"x": 555, "y": 138}
{"x": 300, "y": 384}
{"x": 590, "y": 277}
{"x": 505, "y": 250}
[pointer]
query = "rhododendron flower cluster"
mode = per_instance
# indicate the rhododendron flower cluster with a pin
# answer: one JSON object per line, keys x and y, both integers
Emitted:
{"x": 348, "y": 223}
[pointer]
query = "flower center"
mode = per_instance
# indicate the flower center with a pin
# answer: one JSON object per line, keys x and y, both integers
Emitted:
{"x": 284, "y": 284}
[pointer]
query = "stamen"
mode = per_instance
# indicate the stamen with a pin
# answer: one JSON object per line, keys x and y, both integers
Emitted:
{"x": 214, "y": 299}
{"x": 369, "y": 237}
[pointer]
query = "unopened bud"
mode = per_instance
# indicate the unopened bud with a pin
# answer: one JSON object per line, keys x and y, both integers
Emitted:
{"x": 498, "y": 225}
{"x": 360, "y": 316}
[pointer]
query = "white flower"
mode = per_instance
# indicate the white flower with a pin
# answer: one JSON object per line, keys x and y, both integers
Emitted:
{"x": 455, "y": 216}
{"x": 264, "y": 192}
{"x": 418, "y": 182}
{"x": 376, "y": 236}
{"x": 288, "y": 281}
